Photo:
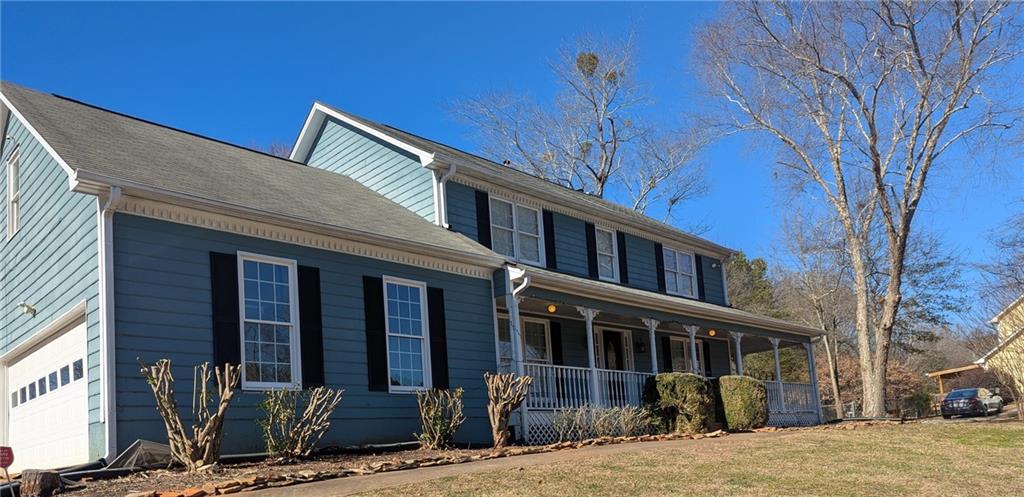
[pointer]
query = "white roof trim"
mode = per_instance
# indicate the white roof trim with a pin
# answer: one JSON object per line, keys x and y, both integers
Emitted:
{"x": 1007, "y": 310}
{"x": 92, "y": 182}
{"x": 1002, "y": 345}
{"x": 315, "y": 119}
{"x": 602, "y": 290}
{"x": 72, "y": 174}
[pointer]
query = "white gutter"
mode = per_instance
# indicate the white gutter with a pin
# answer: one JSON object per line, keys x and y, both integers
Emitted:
{"x": 108, "y": 391}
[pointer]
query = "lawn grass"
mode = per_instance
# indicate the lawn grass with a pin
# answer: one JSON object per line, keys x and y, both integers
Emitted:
{"x": 924, "y": 459}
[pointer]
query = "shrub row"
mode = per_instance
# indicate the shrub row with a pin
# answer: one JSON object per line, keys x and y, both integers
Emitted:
{"x": 686, "y": 403}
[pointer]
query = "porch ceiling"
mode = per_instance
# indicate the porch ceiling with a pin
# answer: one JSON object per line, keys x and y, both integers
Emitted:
{"x": 632, "y": 304}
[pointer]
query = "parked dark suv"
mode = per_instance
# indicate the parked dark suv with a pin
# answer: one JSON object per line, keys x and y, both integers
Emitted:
{"x": 971, "y": 402}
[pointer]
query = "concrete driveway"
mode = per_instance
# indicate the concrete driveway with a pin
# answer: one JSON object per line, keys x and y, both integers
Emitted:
{"x": 1009, "y": 413}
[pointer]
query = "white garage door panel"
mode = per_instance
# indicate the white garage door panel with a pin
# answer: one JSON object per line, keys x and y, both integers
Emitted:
{"x": 52, "y": 429}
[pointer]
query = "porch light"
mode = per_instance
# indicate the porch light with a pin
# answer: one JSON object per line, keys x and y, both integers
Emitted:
{"x": 712, "y": 333}
{"x": 552, "y": 308}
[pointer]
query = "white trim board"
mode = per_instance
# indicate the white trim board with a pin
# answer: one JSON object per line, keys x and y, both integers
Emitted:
{"x": 219, "y": 222}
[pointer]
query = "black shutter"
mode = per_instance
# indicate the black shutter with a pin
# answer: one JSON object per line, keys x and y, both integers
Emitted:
{"x": 556, "y": 344}
{"x": 659, "y": 265}
{"x": 591, "y": 250}
{"x": 697, "y": 261}
{"x": 620, "y": 242}
{"x": 483, "y": 218}
{"x": 438, "y": 338}
{"x": 311, "y": 327}
{"x": 666, "y": 352}
{"x": 227, "y": 338}
{"x": 376, "y": 339}
{"x": 707, "y": 358}
{"x": 549, "y": 240}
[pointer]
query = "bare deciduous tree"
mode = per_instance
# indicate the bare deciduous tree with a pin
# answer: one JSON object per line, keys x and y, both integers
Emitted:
{"x": 865, "y": 99}
{"x": 594, "y": 134}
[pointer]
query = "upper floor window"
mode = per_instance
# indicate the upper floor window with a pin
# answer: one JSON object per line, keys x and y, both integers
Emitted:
{"x": 406, "y": 324}
{"x": 607, "y": 254}
{"x": 680, "y": 273}
{"x": 13, "y": 192}
{"x": 516, "y": 231}
{"x": 270, "y": 334}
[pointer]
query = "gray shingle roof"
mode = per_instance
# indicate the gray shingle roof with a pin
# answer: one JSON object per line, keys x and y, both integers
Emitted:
{"x": 121, "y": 147}
{"x": 546, "y": 189}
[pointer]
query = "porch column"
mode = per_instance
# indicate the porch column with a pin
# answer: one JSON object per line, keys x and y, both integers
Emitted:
{"x": 652, "y": 324}
{"x": 778, "y": 373}
{"x": 692, "y": 331}
{"x": 737, "y": 339}
{"x": 588, "y": 316}
{"x": 812, "y": 369}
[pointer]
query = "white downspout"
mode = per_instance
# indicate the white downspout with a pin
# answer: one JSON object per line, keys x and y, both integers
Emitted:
{"x": 108, "y": 411}
{"x": 512, "y": 297}
{"x": 441, "y": 195}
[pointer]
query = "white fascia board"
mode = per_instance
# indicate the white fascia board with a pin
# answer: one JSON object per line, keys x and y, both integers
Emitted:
{"x": 72, "y": 176}
{"x": 1007, "y": 310}
{"x": 90, "y": 182}
{"x": 478, "y": 177}
{"x": 314, "y": 121}
{"x": 664, "y": 303}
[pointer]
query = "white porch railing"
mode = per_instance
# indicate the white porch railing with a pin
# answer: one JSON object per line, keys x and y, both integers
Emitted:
{"x": 790, "y": 404}
{"x": 561, "y": 387}
{"x": 620, "y": 388}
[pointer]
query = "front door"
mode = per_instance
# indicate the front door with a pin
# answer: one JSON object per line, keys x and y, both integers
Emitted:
{"x": 614, "y": 350}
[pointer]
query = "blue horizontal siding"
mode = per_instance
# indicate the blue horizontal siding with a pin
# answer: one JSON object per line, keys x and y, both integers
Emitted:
{"x": 643, "y": 269}
{"x": 52, "y": 262}
{"x": 162, "y": 282}
{"x": 570, "y": 245}
{"x": 714, "y": 286}
{"x": 379, "y": 165}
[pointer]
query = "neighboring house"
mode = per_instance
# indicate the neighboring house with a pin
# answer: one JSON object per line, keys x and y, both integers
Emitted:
{"x": 124, "y": 240}
{"x": 596, "y": 297}
{"x": 1008, "y": 355}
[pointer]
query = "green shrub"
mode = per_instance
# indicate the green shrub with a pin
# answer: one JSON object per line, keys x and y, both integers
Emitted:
{"x": 440, "y": 417}
{"x": 744, "y": 402}
{"x": 684, "y": 401}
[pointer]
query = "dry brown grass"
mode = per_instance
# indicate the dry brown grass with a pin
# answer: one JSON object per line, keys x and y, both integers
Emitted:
{"x": 930, "y": 459}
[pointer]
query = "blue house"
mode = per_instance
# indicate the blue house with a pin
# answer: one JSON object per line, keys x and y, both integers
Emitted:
{"x": 373, "y": 260}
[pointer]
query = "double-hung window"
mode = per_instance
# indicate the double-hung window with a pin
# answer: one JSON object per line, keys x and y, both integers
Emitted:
{"x": 516, "y": 231}
{"x": 13, "y": 192}
{"x": 536, "y": 342}
{"x": 680, "y": 273}
{"x": 607, "y": 254}
{"x": 406, "y": 323}
{"x": 270, "y": 334}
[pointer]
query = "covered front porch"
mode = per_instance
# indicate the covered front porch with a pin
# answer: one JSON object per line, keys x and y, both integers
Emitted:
{"x": 598, "y": 349}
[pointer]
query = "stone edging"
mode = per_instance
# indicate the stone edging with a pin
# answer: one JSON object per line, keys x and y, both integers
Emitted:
{"x": 252, "y": 483}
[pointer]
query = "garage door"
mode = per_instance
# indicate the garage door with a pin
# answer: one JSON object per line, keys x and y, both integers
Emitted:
{"x": 48, "y": 406}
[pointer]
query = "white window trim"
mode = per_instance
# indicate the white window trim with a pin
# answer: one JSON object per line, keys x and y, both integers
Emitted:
{"x": 626, "y": 336}
{"x": 541, "y": 255}
{"x": 293, "y": 313}
{"x": 547, "y": 338}
{"x": 615, "y": 254}
{"x": 13, "y": 198}
{"x": 692, "y": 275}
{"x": 427, "y": 376}
{"x": 686, "y": 354}
{"x": 522, "y": 337}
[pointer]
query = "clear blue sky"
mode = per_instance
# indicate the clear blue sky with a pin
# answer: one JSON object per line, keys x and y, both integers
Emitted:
{"x": 247, "y": 73}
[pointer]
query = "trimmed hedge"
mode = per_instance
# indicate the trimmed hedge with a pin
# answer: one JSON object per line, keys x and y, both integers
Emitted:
{"x": 684, "y": 401}
{"x": 744, "y": 402}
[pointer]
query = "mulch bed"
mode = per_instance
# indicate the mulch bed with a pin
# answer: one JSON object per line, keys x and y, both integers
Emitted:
{"x": 235, "y": 478}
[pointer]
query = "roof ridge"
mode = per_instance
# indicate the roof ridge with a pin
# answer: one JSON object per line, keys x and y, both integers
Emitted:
{"x": 172, "y": 128}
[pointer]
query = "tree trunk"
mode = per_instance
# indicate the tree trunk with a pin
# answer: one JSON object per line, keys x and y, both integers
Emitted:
{"x": 833, "y": 375}
{"x": 38, "y": 483}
